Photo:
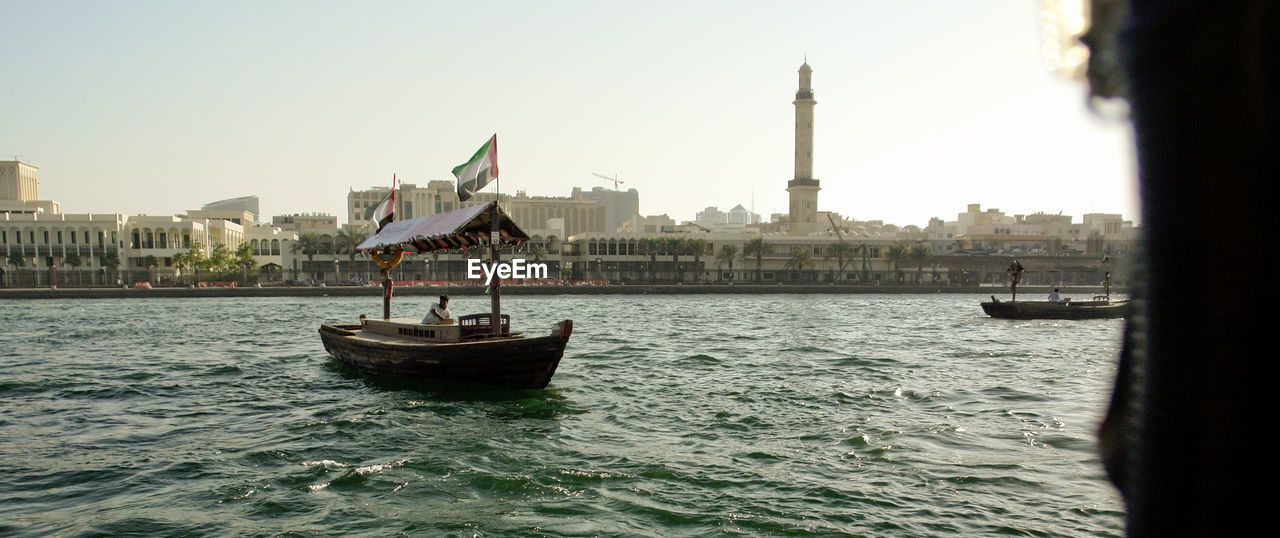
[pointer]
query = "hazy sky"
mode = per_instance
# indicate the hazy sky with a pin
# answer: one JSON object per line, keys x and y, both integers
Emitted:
{"x": 923, "y": 106}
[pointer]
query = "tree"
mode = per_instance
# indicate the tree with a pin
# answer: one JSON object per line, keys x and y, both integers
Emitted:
{"x": 16, "y": 259}
{"x": 110, "y": 261}
{"x": 308, "y": 243}
{"x": 243, "y": 258}
{"x": 756, "y": 248}
{"x": 801, "y": 258}
{"x": 150, "y": 262}
{"x": 220, "y": 260}
{"x": 726, "y": 256}
{"x": 347, "y": 241}
{"x": 650, "y": 246}
{"x": 841, "y": 252}
{"x": 675, "y": 246}
{"x": 919, "y": 254}
{"x": 896, "y": 253}
{"x": 73, "y": 259}
{"x": 192, "y": 259}
{"x": 696, "y": 248}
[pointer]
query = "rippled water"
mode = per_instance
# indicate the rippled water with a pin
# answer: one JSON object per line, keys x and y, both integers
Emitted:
{"x": 670, "y": 415}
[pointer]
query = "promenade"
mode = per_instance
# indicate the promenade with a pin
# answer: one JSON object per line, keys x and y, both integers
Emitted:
{"x": 1026, "y": 292}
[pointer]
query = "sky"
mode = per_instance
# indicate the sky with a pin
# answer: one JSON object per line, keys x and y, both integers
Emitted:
{"x": 923, "y": 106}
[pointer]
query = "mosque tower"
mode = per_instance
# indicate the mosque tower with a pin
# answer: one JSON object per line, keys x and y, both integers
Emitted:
{"x": 803, "y": 219}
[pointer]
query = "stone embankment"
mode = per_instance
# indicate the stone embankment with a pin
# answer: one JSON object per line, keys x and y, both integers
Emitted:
{"x": 1027, "y": 292}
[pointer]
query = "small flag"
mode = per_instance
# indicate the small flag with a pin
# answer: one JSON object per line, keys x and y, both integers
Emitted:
{"x": 383, "y": 213}
{"x": 478, "y": 171}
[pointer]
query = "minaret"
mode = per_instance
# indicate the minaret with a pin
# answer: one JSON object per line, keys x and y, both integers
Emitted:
{"x": 804, "y": 188}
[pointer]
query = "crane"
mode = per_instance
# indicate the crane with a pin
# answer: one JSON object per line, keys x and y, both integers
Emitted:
{"x": 614, "y": 179}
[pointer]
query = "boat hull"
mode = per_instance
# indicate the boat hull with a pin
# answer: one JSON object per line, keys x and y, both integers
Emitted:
{"x": 1056, "y": 310}
{"x": 510, "y": 362}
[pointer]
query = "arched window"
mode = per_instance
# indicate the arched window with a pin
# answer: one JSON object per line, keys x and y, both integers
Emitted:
{"x": 275, "y": 247}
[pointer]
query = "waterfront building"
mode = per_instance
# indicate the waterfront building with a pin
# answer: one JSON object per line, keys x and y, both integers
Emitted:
{"x": 150, "y": 243}
{"x": 39, "y": 247}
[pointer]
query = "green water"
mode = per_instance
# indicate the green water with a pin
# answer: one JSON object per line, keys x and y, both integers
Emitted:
{"x": 669, "y": 416}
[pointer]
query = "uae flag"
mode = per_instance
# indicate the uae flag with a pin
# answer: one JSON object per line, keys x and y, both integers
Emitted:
{"x": 383, "y": 213}
{"x": 477, "y": 172}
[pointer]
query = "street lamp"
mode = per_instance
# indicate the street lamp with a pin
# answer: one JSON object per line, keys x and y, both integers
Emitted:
{"x": 599, "y": 270}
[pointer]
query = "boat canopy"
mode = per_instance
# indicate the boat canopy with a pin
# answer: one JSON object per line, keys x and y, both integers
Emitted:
{"x": 464, "y": 228}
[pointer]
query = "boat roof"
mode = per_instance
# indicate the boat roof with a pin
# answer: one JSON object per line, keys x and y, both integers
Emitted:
{"x": 464, "y": 228}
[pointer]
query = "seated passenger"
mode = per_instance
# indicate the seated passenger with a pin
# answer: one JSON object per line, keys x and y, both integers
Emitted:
{"x": 1054, "y": 296}
{"x": 439, "y": 312}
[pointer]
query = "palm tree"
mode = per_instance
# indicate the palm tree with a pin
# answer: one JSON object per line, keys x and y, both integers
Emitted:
{"x": 896, "y": 253}
{"x": 16, "y": 259}
{"x": 756, "y": 248}
{"x": 841, "y": 251}
{"x": 73, "y": 259}
{"x": 308, "y": 243}
{"x": 243, "y": 258}
{"x": 696, "y": 248}
{"x": 110, "y": 261}
{"x": 919, "y": 254}
{"x": 347, "y": 241}
{"x": 726, "y": 256}
{"x": 675, "y": 246}
{"x": 801, "y": 258}
{"x": 649, "y": 246}
{"x": 150, "y": 262}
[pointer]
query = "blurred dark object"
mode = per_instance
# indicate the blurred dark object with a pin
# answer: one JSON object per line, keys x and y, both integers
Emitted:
{"x": 1180, "y": 439}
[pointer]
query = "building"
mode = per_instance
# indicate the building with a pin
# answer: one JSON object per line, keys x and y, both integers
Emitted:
{"x": 244, "y": 203}
{"x": 619, "y": 206}
{"x": 803, "y": 189}
{"x": 43, "y": 246}
{"x": 38, "y": 247}
{"x": 18, "y": 181}
{"x": 579, "y": 211}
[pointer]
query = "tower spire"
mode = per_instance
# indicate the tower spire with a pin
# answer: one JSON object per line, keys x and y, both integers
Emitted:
{"x": 804, "y": 188}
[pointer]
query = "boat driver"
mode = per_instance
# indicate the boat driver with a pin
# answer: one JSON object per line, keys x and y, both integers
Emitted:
{"x": 439, "y": 312}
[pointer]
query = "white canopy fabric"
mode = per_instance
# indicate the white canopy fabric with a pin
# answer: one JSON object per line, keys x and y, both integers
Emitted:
{"x": 464, "y": 228}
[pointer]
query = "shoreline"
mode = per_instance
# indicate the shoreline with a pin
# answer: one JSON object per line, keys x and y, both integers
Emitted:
{"x": 1033, "y": 292}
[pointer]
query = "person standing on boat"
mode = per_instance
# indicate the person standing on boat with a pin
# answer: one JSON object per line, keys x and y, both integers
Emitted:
{"x": 1015, "y": 276}
{"x": 439, "y": 312}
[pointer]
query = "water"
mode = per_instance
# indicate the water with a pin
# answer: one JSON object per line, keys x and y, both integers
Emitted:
{"x": 670, "y": 415}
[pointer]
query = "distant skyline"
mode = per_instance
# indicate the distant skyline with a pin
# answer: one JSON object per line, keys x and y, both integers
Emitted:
{"x": 923, "y": 106}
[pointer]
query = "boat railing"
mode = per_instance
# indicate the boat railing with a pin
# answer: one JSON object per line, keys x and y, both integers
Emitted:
{"x": 481, "y": 324}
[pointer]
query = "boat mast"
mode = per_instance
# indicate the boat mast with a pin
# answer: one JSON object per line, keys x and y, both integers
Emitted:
{"x": 495, "y": 295}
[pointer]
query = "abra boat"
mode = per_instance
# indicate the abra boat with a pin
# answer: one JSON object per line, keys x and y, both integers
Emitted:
{"x": 475, "y": 349}
{"x": 1101, "y": 307}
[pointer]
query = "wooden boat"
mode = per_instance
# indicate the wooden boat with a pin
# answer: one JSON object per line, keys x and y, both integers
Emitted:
{"x": 475, "y": 349}
{"x": 1101, "y": 307}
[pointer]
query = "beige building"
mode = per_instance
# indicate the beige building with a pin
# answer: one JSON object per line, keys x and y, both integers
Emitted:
{"x": 803, "y": 190}
{"x": 164, "y": 236}
{"x": 46, "y": 245}
{"x": 580, "y": 212}
{"x": 18, "y": 181}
